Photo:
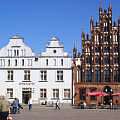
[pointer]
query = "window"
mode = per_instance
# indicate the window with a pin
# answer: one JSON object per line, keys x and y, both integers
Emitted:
{"x": 10, "y": 92}
{"x": 93, "y": 90}
{"x": 97, "y": 75}
{"x": 106, "y": 76}
{"x": 29, "y": 62}
{"x": 55, "y": 93}
{"x": 22, "y": 52}
{"x": 97, "y": 60}
{"x": 10, "y": 75}
{"x": 82, "y": 94}
{"x": 97, "y": 49}
{"x": 23, "y": 62}
{"x": 88, "y": 76}
{"x": 88, "y": 60}
{"x": 105, "y": 38}
{"x": 2, "y": 62}
{"x": 9, "y": 52}
{"x": 87, "y": 50}
{"x": 61, "y": 62}
{"x": 116, "y": 60}
{"x": 15, "y": 62}
{"x": 17, "y": 52}
{"x": 43, "y": 93}
{"x": 36, "y": 59}
{"x": 59, "y": 75}
{"x": 27, "y": 75}
{"x": 46, "y": 62}
{"x": 54, "y": 62}
{"x": 43, "y": 75}
{"x": 54, "y": 51}
{"x": 105, "y": 27}
{"x": 115, "y": 38}
{"x": 9, "y": 62}
{"x": 106, "y": 60}
{"x": 66, "y": 93}
{"x": 96, "y": 39}
{"x": 116, "y": 76}
{"x": 115, "y": 49}
{"x": 106, "y": 49}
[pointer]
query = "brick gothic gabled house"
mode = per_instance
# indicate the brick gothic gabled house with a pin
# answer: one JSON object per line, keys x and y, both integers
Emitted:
{"x": 100, "y": 61}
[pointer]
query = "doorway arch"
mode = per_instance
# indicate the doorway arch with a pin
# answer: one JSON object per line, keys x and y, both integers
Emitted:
{"x": 108, "y": 99}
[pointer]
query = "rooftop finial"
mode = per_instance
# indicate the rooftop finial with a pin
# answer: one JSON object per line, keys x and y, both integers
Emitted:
{"x": 100, "y": 4}
{"x": 110, "y": 5}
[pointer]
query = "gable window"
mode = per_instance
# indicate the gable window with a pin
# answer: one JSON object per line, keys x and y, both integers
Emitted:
{"x": 23, "y": 62}
{"x": 54, "y": 62}
{"x": 15, "y": 53}
{"x": 46, "y": 62}
{"x": 2, "y": 62}
{"x": 9, "y": 52}
{"x": 29, "y": 62}
{"x": 9, "y": 62}
{"x": 61, "y": 62}
{"x": 54, "y": 51}
{"x": 36, "y": 59}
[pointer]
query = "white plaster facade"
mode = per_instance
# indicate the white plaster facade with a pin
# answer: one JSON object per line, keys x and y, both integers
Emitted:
{"x": 44, "y": 77}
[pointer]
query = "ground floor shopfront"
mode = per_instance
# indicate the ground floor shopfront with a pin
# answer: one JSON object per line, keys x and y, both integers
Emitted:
{"x": 39, "y": 94}
{"x": 81, "y": 91}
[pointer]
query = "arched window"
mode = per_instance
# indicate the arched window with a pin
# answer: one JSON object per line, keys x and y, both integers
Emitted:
{"x": 116, "y": 76}
{"x": 106, "y": 60}
{"x": 106, "y": 75}
{"x": 88, "y": 76}
{"x": 97, "y": 75}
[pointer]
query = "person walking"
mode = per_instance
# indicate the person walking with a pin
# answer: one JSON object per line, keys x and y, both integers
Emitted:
{"x": 57, "y": 105}
{"x": 4, "y": 108}
{"x": 30, "y": 104}
{"x": 15, "y": 106}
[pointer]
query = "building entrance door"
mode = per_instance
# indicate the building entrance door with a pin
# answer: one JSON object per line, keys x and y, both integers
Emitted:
{"x": 108, "y": 99}
{"x": 26, "y": 94}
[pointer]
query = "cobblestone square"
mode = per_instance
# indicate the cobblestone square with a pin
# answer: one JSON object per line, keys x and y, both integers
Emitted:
{"x": 66, "y": 113}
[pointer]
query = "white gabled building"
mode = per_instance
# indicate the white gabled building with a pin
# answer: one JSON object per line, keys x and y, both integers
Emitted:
{"x": 44, "y": 77}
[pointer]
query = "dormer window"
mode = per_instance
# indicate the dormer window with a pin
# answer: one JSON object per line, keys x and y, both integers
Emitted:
{"x": 54, "y": 51}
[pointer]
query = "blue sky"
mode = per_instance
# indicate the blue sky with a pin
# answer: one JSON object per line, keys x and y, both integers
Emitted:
{"x": 38, "y": 20}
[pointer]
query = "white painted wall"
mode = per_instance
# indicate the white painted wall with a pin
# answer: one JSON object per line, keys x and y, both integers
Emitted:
{"x": 17, "y": 43}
